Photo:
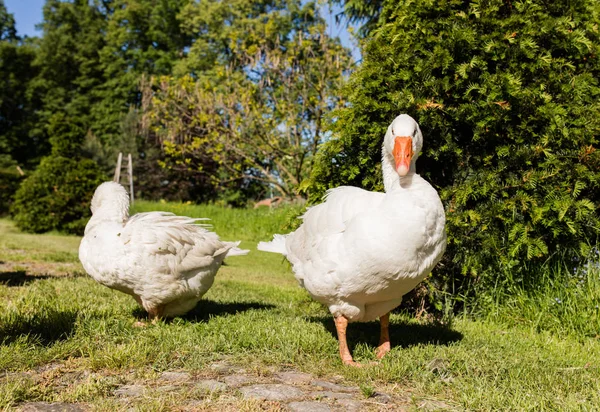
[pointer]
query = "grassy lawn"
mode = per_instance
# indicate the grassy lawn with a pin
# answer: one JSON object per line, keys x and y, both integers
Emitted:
{"x": 65, "y": 338}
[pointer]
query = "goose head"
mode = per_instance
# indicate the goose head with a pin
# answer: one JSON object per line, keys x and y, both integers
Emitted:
{"x": 110, "y": 202}
{"x": 402, "y": 145}
{"x": 403, "y": 142}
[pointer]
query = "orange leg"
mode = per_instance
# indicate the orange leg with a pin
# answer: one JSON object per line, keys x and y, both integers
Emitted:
{"x": 341, "y": 323}
{"x": 384, "y": 340}
{"x": 156, "y": 313}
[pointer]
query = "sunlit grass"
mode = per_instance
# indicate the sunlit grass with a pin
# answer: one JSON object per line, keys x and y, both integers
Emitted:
{"x": 231, "y": 223}
{"x": 16, "y": 246}
{"x": 561, "y": 300}
{"x": 256, "y": 316}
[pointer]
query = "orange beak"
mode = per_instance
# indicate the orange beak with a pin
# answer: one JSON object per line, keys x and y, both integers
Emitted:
{"x": 403, "y": 154}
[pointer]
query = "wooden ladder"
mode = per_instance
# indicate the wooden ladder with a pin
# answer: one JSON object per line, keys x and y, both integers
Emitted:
{"x": 117, "y": 177}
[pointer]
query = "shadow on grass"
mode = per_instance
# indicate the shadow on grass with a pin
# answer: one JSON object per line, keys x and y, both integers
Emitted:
{"x": 206, "y": 309}
{"x": 42, "y": 328}
{"x": 19, "y": 278}
{"x": 402, "y": 334}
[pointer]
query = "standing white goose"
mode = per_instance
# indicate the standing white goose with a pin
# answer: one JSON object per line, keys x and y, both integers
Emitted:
{"x": 165, "y": 262}
{"x": 359, "y": 252}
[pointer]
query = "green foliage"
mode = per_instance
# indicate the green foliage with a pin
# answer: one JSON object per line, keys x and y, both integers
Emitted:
{"x": 507, "y": 97}
{"x": 66, "y": 69}
{"x": 66, "y": 135}
{"x": 9, "y": 183}
{"x": 85, "y": 72}
{"x": 141, "y": 37}
{"x": 69, "y": 66}
{"x": 263, "y": 73}
{"x": 57, "y": 195}
{"x": 20, "y": 140}
{"x": 363, "y": 12}
{"x": 270, "y": 64}
{"x": 7, "y": 24}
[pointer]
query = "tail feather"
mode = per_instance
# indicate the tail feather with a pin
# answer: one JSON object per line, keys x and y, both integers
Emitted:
{"x": 277, "y": 245}
{"x": 235, "y": 250}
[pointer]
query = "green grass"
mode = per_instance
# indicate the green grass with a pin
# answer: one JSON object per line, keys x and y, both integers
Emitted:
{"x": 51, "y": 247}
{"x": 256, "y": 316}
{"x": 230, "y": 223}
{"x": 561, "y": 300}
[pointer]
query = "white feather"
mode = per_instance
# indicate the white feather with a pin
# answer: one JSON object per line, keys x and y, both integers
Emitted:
{"x": 235, "y": 250}
{"x": 163, "y": 260}
{"x": 277, "y": 245}
{"x": 359, "y": 252}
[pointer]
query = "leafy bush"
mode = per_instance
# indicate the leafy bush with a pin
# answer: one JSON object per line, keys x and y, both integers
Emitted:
{"x": 9, "y": 183}
{"x": 67, "y": 135}
{"x": 507, "y": 96}
{"x": 57, "y": 195}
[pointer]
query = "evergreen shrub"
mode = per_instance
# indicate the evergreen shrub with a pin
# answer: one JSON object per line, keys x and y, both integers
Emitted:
{"x": 507, "y": 95}
{"x": 9, "y": 183}
{"x": 57, "y": 195}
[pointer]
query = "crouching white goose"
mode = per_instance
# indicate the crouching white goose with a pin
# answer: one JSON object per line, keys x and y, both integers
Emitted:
{"x": 359, "y": 252}
{"x": 165, "y": 262}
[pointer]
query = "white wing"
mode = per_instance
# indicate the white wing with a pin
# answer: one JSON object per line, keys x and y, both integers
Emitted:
{"x": 173, "y": 241}
{"x": 316, "y": 247}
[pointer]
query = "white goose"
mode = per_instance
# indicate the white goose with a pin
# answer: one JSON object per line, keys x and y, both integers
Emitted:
{"x": 165, "y": 262}
{"x": 359, "y": 252}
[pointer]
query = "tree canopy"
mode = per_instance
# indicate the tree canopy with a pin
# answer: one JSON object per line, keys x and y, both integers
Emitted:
{"x": 255, "y": 76}
{"x": 20, "y": 141}
{"x": 364, "y": 13}
{"x": 251, "y": 106}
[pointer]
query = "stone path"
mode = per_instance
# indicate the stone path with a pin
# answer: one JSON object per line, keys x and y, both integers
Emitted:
{"x": 224, "y": 387}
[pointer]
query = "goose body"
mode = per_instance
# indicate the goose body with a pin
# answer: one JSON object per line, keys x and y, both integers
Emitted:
{"x": 166, "y": 262}
{"x": 359, "y": 252}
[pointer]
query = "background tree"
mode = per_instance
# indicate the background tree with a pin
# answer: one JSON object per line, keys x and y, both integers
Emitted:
{"x": 19, "y": 142}
{"x": 364, "y": 13}
{"x": 142, "y": 37}
{"x": 56, "y": 196}
{"x": 253, "y": 110}
{"x": 92, "y": 55}
{"x": 20, "y": 145}
{"x": 68, "y": 60}
{"x": 87, "y": 66}
{"x": 506, "y": 94}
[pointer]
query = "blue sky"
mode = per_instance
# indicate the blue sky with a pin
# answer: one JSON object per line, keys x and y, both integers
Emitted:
{"x": 28, "y": 13}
